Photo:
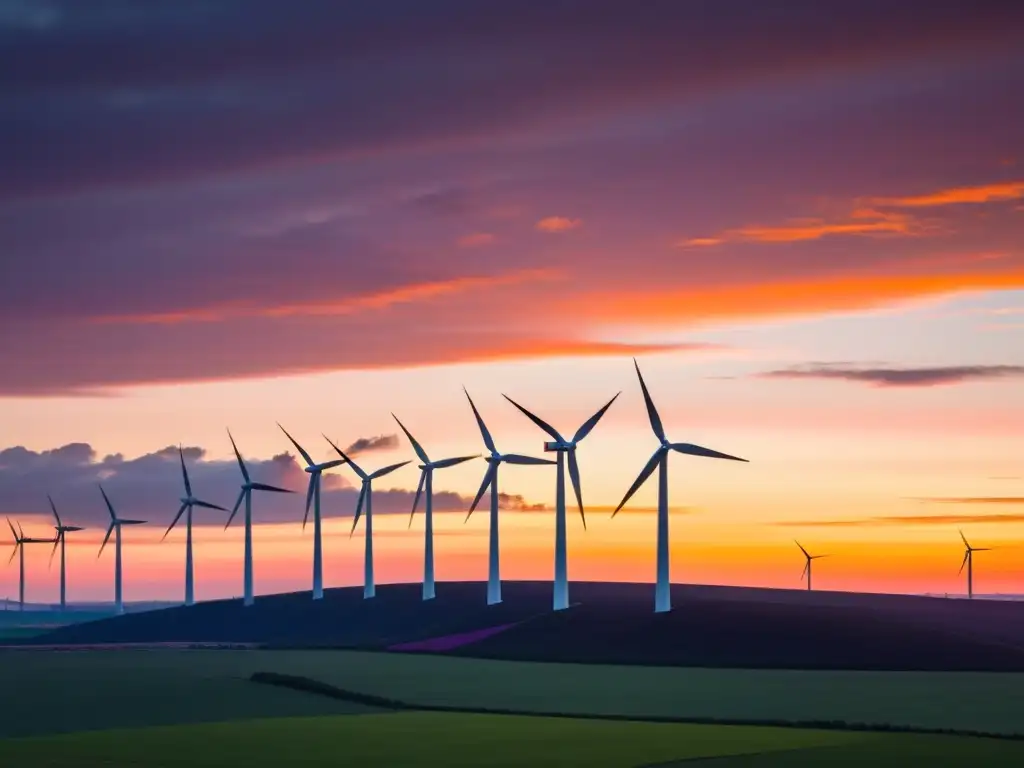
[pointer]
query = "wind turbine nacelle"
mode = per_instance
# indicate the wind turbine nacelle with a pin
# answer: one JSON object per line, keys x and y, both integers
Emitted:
{"x": 552, "y": 447}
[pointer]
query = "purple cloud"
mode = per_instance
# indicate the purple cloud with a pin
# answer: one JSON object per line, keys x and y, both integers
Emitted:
{"x": 898, "y": 377}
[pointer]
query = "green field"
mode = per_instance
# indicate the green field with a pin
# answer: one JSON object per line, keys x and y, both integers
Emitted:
{"x": 424, "y": 739}
{"x": 198, "y": 708}
{"x": 70, "y": 691}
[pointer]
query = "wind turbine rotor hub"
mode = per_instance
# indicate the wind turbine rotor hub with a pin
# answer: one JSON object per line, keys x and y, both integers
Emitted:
{"x": 554, "y": 446}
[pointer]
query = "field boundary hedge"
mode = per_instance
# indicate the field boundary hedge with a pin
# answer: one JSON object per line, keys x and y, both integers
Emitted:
{"x": 311, "y": 685}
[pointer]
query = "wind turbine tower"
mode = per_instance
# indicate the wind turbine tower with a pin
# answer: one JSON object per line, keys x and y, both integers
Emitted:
{"x": 807, "y": 566}
{"x": 59, "y": 540}
{"x": 313, "y": 495}
{"x": 562, "y": 447}
{"x": 188, "y": 501}
{"x": 969, "y": 562}
{"x": 659, "y": 459}
{"x": 494, "y": 460}
{"x": 366, "y": 495}
{"x": 427, "y": 481}
{"x": 115, "y": 524}
{"x": 20, "y": 540}
{"x": 245, "y": 494}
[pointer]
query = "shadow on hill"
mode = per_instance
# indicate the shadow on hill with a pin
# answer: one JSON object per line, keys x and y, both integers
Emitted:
{"x": 609, "y": 623}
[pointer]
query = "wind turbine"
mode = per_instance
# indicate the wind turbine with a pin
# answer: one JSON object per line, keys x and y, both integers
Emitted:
{"x": 58, "y": 540}
{"x": 248, "y": 486}
{"x": 491, "y": 481}
{"x": 562, "y": 447}
{"x": 188, "y": 501}
{"x": 366, "y": 494}
{"x": 969, "y": 562}
{"x": 662, "y": 590}
{"x": 116, "y": 523}
{"x": 20, "y": 540}
{"x": 807, "y": 566}
{"x": 313, "y": 495}
{"x": 427, "y": 481}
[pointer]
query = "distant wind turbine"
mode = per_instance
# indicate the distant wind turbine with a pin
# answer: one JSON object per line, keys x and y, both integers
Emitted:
{"x": 116, "y": 523}
{"x": 20, "y": 540}
{"x": 313, "y": 495}
{"x": 662, "y": 590}
{"x": 969, "y": 562}
{"x": 59, "y": 540}
{"x": 807, "y": 565}
{"x": 366, "y": 495}
{"x": 495, "y": 459}
{"x": 563, "y": 447}
{"x": 188, "y": 501}
{"x": 248, "y": 486}
{"x": 427, "y": 483}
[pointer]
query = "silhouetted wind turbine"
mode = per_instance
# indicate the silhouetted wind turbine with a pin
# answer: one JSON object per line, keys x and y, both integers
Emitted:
{"x": 366, "y": 494}
{"x": 115, "y": 523}
{"x": 20, "y": 540}
{"x": 427, "y": 482}
{"x": 494, "y": 460}
{"x": 188, "y": 501}
{"x": 313, "y": 495}
{"x": 662, "y": 590}
{"x": 807, "y": 565}
{"x": 561, "y": 446}
{"x": 969, "y": 562}
{"x": 248, "y": 486}
{"x": 59, "y": 540}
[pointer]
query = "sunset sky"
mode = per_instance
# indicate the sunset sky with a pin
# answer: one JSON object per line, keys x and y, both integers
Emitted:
{"x": 804, "y": 220}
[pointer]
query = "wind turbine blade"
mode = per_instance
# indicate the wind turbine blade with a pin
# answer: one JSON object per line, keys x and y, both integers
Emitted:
{"x": 419, "y": 490}
{"x": 310, "y": 489}
{"x": 415, "y": 446}
{"x": 241, "y": 464}
{"x": 110, "y": 507}
{"x": 13, "y": 532}
{"x": 652, "y": 412}
{"x": 537, "y": 420}
{"x": 966, "y": 544}
{"x": 234, "y": 509}
{"x": 54, "y": 508}
{"x": 21, "y": 531}
{"x": 967, "y": 554}
{"x": 273, "y": 488}
{"x": 649, "y": 467}
{"x": 69, "y": 528}
{"x": 331, "y": 464}
{"x": 574, "y": 475}
{"x": 302, "y": 452}
{"x": 56, "y": 543}
{"x": 982, "y": 549}
{"x": 807, "y": 567}
{"x": 516, "y": 458}
{"x": 806, "y": 554}
{"x": 177, "y": 517}
{"x": 184, "y": 472}
{"x": 484, "y": 433}
{"x": 132, "y": 522}
{"x": 11, "y": 558}
{"x": 590, "y": 423}
{"x": 488, "y": 480}
{"x": 207, "y": 505}
{"x": 442, "y": 463}
{"x": 388, "y": 469}
{"x": 359, "y": 509}
{"x": 356, "y": 467}
{"x": 696, "y": 450}
{"x": 110, "y": 530}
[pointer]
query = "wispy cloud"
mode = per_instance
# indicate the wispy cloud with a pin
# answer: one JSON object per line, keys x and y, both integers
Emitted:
{"x": 897, "y": 377}
{"x": 983, "y": 193}
{"x": 862, "y": 222}
{"x": 908, "y": 520}
{"x": 557, "y": 224}
{"x": 971, "y": 499}
{"x": 367, "y": 444}
{"x": 408, "y": 294}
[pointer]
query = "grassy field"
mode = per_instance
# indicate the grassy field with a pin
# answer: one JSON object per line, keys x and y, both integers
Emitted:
{"x": 79, "y": 690}
{"x": 419, "y": 739}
